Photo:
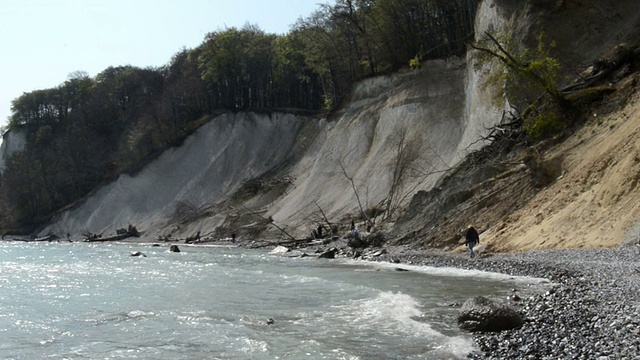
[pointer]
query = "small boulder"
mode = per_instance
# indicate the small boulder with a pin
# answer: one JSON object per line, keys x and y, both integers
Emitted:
{"x": 279, "y": 250}
{"x": 174, "y": 248}
{"x": 138, "y": 253}
{"x": 329, "y": 254}
{"x": 484, "y": 315}
{"x": 379, "y": 252}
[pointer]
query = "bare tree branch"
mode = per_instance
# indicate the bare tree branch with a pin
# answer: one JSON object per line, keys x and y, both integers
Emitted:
{"x": 353, "y": 186}
{"x": 324, "y": 216}
{"x": 270, "y": 221}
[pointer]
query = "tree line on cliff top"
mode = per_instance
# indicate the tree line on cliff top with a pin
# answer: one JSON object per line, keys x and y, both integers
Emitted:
{"x": 88, "y": 130}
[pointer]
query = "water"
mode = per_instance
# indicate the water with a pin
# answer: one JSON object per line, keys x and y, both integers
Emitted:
{"x": 95, "y": 301}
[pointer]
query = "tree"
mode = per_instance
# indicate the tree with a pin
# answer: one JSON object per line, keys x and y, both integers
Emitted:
{"x": 528, "y": 73}
{"x": 406, "y": 155}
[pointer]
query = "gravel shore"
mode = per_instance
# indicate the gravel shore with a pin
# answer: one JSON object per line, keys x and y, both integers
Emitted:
{"x": 593, "y": 311}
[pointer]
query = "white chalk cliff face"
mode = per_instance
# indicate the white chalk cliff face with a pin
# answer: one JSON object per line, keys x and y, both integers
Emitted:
{"x": 441, "y": 109}
{"x": 12, "y": 141}
{"x": 429, "y": 108}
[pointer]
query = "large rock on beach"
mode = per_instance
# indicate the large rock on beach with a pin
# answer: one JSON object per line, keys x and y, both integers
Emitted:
{"x": 483, "y": 315}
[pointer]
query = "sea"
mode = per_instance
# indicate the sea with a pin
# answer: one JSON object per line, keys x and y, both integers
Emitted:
{"x": 96, "y": 301}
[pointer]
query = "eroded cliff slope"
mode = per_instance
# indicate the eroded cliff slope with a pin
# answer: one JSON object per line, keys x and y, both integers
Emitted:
{"x": 240, "y": 169}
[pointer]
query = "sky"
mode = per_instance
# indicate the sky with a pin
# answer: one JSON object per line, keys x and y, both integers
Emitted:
{"x": 43, "y": 41}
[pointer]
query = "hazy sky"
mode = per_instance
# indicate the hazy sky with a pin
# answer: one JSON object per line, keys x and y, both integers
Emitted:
{"x": 45, "y": 40}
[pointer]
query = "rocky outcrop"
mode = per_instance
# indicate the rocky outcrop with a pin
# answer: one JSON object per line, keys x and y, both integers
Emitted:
{"x": 483, "y": 315}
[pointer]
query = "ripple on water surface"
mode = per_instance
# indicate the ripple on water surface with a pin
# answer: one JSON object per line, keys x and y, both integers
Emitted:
{"x": 96, "y": 301}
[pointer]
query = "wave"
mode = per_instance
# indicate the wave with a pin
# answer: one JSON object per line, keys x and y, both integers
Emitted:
{"x": 449, "y": 271}
{"x": 392, "y": 312}
{"x": 401, "y": 315}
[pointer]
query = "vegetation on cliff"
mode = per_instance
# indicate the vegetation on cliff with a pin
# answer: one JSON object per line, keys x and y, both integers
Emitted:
{"x": 89, "y": 130}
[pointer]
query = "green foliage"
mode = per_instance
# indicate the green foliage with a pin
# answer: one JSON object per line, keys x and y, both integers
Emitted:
{"x": 529, "y": 75}
{"x": 415, "y": 63}
{"x": 328, "y": 103}
{"x": 543, "y": 123}
{"x": 525, "y": 72}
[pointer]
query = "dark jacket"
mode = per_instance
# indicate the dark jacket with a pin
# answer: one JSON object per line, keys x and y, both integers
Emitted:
{"x": 472, "y": 236}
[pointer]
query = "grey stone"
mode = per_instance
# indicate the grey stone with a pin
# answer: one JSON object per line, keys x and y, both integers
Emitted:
{"x": 484, "y": 315}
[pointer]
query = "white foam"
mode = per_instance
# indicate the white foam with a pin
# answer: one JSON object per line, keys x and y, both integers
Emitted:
{"x": 451, "y": 271}
{"x": 254, "y": 346}
{"x": 388, "y": 311}
{"x": 395, "y": 313}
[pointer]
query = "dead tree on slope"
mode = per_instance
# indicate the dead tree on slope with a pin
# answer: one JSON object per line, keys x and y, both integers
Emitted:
{"x": 355, "y": 190}
{"x": 406, "y": 156}
{"x": 270, "y": 221}
{"x": 319, "y": 217}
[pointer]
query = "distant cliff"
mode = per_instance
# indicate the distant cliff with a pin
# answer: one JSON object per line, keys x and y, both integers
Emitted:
{"x": 12, "y": 141}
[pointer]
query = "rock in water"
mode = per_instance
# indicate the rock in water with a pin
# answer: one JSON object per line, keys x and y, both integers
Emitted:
{"x": 138, "y": 253}
{"x": 174, "y": 248}
{"x": 279, "y": 250}
{"x": 484, "y": 315}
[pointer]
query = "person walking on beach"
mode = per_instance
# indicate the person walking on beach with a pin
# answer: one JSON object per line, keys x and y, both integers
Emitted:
{"x": 472, "y": 238}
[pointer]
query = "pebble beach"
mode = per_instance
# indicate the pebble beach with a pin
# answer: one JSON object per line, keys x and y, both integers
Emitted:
{"x": 591, "y": 312}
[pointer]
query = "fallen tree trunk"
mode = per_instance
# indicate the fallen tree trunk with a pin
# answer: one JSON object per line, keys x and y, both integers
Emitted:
{"x": 109, "y": 238}
{"x": 120, "y": 235}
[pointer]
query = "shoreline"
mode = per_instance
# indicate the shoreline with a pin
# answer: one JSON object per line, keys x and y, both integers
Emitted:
{"x": 592, "y": 310}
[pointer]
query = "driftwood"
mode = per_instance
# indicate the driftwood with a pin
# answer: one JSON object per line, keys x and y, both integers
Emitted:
{"x": 131, "y": 231}
{"x": 48, "y": 237}
{"x": 192, "y": 239}
{"x": 286, "y": 243}
{"x": 95, "y": 237}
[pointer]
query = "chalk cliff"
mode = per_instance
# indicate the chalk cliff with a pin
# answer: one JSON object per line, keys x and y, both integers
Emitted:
{"x": 241, "y": 166}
